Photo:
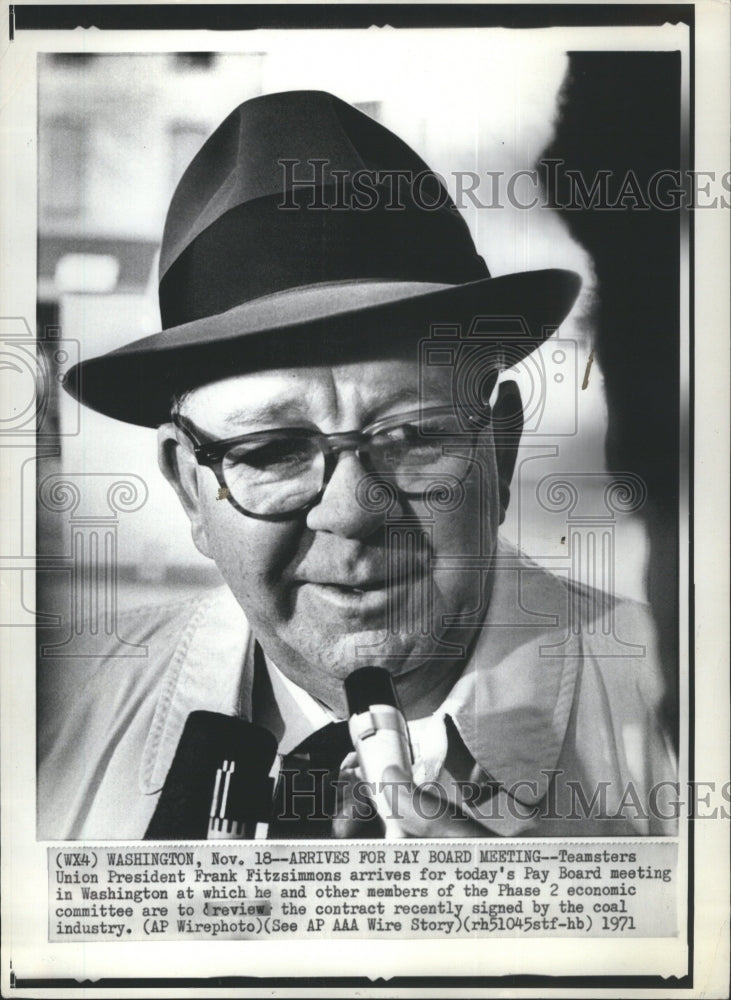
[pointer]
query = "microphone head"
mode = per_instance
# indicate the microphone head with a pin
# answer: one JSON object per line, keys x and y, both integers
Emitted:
{"x": 209, "y": 739}
{"x": 368, "y": 686}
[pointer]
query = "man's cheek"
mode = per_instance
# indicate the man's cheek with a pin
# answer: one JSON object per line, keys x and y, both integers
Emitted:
{"x": 252, "y": 556}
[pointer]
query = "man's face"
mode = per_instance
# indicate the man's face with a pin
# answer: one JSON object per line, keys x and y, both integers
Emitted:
{"x": 314, "y": 587}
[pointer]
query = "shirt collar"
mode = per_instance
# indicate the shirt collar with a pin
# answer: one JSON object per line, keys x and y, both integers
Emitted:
{"x": 300, "y": 713}
{"x": 511, "y": 706}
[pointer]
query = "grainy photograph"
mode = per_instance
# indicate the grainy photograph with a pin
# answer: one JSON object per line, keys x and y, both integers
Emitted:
{"x": 359, "y": 417}
{"x": 359, "y": 585}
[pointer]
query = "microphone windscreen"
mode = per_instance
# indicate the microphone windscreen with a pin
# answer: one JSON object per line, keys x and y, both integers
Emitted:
{"x": 209, "y": 739}
{"x": 369, "y": 686}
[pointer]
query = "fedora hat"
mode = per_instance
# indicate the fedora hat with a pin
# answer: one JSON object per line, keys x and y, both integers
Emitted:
{"x": 304, "y": 230}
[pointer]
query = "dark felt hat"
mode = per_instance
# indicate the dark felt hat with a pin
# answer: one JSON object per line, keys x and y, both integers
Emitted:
{"x": 303, "y": 230}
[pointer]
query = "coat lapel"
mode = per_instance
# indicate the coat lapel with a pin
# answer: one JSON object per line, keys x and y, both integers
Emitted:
{"x": 210, "y": 669}
{"x": 512, "y": 705}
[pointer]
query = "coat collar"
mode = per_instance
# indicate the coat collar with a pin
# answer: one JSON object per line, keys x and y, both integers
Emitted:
{"x": 210, "y": 669}
{"x": 511, "y": 706}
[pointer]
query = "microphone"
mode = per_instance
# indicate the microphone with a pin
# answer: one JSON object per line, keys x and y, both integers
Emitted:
{"x": 218, "y": 786}
{"x": 379, "y": 734}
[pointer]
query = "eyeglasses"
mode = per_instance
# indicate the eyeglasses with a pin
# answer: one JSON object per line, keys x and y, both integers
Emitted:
{"x": 277, "y": 474}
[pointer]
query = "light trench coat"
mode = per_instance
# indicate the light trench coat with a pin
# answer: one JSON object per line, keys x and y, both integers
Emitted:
{"x": 560, "y": 703}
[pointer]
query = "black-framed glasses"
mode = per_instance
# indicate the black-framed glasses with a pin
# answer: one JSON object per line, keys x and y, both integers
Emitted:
{"x": 275, "y": 475}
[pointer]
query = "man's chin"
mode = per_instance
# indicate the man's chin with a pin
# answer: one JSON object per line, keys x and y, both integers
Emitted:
{"x": 397, "y": 653}
{"x": 320, "y": 661}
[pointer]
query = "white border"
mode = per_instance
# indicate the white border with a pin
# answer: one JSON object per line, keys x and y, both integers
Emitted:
{"x": 24, "y": 880}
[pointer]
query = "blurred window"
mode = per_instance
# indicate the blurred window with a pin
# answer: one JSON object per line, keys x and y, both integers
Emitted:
{"x": 370, "y": 108}
{"x": 63, "y": 159}
{"x": 194, "y": 60}
{"x": 73, "y": 59}
{"x": 186, "y": 138}
{"x": 87, "y": 272}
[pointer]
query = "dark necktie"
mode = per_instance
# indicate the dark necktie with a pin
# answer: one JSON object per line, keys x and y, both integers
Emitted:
{"x": 305, "y": 799}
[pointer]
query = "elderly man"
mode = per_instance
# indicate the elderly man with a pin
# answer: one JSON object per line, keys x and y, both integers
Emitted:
{"x": 349, "y": 487}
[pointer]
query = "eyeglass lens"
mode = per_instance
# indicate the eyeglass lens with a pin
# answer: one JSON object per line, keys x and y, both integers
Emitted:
{"x": 285, "y": 473}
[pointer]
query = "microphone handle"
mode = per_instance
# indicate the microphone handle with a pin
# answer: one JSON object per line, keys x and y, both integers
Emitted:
{"x": 381, "y": 740}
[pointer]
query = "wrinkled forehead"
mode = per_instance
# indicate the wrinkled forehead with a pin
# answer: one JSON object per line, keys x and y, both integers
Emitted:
{"x": 355, "y": 390}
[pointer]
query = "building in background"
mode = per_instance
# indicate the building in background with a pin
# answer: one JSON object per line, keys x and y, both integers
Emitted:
{"x": 116, "y": 133}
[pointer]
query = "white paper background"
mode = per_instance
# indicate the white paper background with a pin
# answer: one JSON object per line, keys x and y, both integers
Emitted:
{"x": 24, "y": 875}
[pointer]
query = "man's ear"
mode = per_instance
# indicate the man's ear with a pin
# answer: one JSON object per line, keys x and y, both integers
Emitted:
{"x": 507, "y": 425}
{"x": 178, "y": 465}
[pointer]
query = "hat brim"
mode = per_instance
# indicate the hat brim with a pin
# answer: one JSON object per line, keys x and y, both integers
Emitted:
{"x": 317, "y": 324}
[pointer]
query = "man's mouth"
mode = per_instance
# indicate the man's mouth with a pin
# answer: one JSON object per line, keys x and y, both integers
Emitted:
{"x": 355, "y": 588}
{"x": 362, "y": 596}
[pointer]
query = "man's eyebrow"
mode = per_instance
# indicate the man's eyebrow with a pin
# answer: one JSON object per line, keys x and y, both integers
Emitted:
{"x": 406, "y": 396}
{"x": 266, "y": 413}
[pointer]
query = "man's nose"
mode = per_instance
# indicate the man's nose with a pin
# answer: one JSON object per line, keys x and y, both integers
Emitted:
{"x": 344, "y": 508}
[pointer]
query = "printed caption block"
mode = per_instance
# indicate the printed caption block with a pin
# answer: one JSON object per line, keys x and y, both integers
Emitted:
{"x": 246, "y": 891}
